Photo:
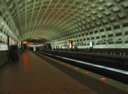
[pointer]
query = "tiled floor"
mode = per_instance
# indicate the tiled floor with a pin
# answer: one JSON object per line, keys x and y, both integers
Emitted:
{"x": 33, "y": 75}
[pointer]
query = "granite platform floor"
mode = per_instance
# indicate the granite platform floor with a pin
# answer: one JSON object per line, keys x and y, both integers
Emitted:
{"x": 33, "y": 75}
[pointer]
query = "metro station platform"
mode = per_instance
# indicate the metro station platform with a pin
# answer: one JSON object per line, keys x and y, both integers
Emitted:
{"x": 35, "y": 74}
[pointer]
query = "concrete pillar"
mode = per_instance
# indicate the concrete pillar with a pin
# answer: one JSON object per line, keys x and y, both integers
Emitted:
{"x": 34, "y": 48}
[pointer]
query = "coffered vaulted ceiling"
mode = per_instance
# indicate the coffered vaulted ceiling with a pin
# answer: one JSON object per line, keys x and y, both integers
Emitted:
{"x": 53, "y": 19}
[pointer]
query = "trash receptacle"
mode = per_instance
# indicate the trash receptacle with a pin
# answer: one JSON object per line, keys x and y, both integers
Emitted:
{"x": 14, "y": 53}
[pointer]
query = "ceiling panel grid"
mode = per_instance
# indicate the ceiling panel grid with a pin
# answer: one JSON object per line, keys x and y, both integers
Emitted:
{"x": 51, "y": 19}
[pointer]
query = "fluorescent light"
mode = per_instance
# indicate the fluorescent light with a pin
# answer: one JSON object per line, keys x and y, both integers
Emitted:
{"x": 94, "y": 65}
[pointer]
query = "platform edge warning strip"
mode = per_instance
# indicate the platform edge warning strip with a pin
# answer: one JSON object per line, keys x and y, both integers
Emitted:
{"x": 101, "y": 78}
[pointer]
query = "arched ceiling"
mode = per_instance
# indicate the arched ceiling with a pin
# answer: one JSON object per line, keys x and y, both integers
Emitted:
{"x": 52, "y": 19}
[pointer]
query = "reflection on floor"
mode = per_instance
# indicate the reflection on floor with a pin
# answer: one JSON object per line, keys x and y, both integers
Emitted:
{"x": 33, "y": 75}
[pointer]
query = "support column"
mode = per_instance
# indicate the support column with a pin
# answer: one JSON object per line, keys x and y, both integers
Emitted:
{"x": 34, "y": 48}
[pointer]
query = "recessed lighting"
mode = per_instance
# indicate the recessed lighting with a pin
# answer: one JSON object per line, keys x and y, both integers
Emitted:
{"x": 103, "y": 79}
{"x": 87, "y": 73}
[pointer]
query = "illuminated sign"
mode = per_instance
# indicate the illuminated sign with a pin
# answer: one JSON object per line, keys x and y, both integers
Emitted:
{"x": 10, "y": 41}
{"x": 25, "y": 42}
{"x": 68, "y": 42}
